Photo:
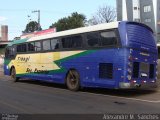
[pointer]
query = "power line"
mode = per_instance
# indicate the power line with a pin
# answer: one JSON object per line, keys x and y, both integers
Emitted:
{"x": 22, "y": 10}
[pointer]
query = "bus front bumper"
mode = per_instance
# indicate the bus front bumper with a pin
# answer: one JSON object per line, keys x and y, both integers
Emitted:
{"x": 123, "y": 85}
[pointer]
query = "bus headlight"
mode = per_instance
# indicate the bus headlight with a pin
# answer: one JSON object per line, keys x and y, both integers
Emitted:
{"x": 157, "y": 62}
{"x": 129, "y": 77}
{"x": 130, "y": 58}
{"x": 156, "y": 73}
{"x": 129, "y": 64}
{"x": 129, "y": 71}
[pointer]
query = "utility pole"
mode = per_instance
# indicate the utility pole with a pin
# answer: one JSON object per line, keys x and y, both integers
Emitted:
{"x": 38, "y": 11}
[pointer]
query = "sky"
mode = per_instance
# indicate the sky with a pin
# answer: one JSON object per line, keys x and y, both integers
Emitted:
{"x": 15, "y": 13}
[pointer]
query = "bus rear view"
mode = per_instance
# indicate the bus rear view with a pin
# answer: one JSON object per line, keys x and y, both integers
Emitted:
{"x": 116, "y": 55}
{"x": 141, "y": 55}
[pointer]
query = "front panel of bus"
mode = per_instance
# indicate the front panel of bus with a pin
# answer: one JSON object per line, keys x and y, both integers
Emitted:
{"x": 141, "y": 55}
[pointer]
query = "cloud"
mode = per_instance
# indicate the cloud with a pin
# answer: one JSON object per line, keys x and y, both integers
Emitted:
{"x": 3, "y": 18}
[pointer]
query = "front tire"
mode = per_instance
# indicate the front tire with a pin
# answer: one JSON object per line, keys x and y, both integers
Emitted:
{"x": 13, "y": 75}
{"x": 73, "y": 80}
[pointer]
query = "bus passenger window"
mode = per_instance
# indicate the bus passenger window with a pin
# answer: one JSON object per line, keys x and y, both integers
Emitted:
{"x": 54, "y": 44}
{"x": 6, "y": 52}
{"x": 72, "y": 42}
{"x": 31, "y": 47}
{"x": 10, "y": 52}
{"x": 47, "y": 45}
{"x": 108, "y": 38}
{"x": 37, "y": 46}
{"x": 21, "y": 48}
{"x": 93, "y": 39}
{"x": 77, "y": 42}
{"x": 67, "y": 42}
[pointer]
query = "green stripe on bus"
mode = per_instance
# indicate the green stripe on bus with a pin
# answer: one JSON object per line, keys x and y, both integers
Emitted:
{"x": 6, "y": 62}
{"x": 74, "y": 56}
{"x": 58, "y": 62}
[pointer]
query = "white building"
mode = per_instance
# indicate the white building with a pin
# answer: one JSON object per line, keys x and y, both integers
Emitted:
{"x": 145, "y": 11}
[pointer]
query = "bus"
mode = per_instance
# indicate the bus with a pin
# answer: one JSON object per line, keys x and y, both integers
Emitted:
{"x": 116, "y": 55}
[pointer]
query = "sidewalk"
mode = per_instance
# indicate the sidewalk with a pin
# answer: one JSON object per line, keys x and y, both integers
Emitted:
{"x": 1, "y": 70}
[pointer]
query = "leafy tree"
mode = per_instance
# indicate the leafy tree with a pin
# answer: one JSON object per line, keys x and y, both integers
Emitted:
{"x": 74, "y": 21}
{"x": 32, "y": 26}
{"x": 104, "y": 14}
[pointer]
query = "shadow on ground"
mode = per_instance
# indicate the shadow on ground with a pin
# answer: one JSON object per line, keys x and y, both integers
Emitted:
{"x": 121, "y": 93}
{"x": 100, "y": 91}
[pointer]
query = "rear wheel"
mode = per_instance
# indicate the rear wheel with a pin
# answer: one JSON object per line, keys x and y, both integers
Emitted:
{"x": 13, "y": 75}
{"x": 73, "y": 80}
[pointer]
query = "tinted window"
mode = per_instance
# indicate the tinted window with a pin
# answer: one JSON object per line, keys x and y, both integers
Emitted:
{"x": 72, "y": 42}
{"x": 108, "y": 38}
{"x": 54, "y": 44}
{"x": 47, "y": 45}
{"x": 77, "y": 42}
{"x": 37, "y": 46}
{"x": 13, "y": 50}
{"x": 10, "y": 52}
{"x": 21, "y": 48}
{"x": 93, "y": 39}
{"x": 31, "y": 46}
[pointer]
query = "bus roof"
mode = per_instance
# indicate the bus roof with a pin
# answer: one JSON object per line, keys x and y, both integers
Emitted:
{"x": 93, "y": 28}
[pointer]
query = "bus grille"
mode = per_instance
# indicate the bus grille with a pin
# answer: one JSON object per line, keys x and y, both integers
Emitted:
{"x": 106, "y": 70}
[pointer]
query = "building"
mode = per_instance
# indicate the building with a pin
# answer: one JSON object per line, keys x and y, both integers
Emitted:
{"x": 4, "y": 33}
{"x": 145, "y": 11}
{"x": 38, "y": 33}
{"x": 3, "y": 36}
{"x": 3, "y": 41}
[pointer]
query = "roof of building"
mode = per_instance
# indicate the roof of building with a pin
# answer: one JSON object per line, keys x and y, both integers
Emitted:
{"x": 5, "y": 42}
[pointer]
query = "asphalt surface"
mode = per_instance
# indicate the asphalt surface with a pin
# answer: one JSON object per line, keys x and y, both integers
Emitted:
{"x": 33, "y": 97}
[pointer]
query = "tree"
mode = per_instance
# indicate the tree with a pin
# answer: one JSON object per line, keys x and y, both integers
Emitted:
{"x": 104, "y": 14}
{"x": 32, "y": 26}
{"x": 74, "y": 21}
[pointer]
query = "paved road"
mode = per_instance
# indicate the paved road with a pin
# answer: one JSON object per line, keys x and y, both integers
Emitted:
{"x": 32, "y": 97}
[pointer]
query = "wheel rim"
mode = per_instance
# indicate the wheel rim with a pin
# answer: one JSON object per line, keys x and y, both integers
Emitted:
{"x": 72, "y": 80}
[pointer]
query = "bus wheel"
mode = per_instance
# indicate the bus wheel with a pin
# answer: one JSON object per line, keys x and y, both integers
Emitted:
{"x": 73, "y": 80}
{"x": 13, "y": 75}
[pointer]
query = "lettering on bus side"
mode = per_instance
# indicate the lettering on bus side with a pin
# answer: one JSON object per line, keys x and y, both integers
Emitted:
{"x": 41, "y": 71}
{"x": 24, "y": 59}
{"x": 37, "y": 71}
{"x": 29, "y": 70}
